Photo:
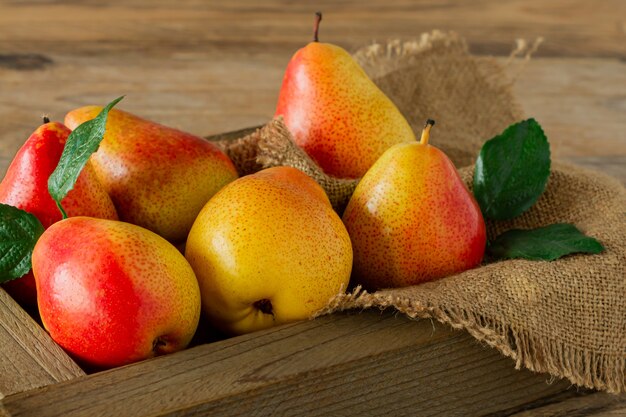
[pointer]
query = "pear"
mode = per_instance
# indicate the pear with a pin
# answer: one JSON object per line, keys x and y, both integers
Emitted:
{"x": 112, "y": 293}
{"x": 411, "y": 219}
{"x": 158, "y": 177}
{"x": 335, "y": 112}
{"x": 268, "y": 249}
{"x": 25, "y": 186}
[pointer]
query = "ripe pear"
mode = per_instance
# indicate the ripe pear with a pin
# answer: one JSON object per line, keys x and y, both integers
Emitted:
{"x": 412, "y": 219}
{"x": 268, "y": 249}
{"x": 336, "y": 113}
{"x": 112, "y": 293}
{"x": 25, "y": 186}
{"x": 158, "y": 177}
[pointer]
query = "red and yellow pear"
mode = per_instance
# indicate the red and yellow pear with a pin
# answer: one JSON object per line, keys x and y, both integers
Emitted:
{"x": 25, "y": 186}
{"x": 411, "y": 219}
{"x": 112, "y": 293}
{"x": 335, "y": 112}
{"x": 158, "y": 177}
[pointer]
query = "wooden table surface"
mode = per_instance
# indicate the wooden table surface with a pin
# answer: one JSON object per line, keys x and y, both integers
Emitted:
{"x": 208, "y": 68}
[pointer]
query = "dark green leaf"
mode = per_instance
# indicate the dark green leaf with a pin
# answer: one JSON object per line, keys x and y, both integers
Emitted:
{"x": 19, "y": 231}
{"x": 512, "y": 170}
{"x": 81, "y": 143}
{"x": 545, "y": 243}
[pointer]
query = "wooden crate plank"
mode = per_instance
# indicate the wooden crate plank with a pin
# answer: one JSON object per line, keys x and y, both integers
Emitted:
{"x": 346, "y": 364}
{"x": 599, "y": 404}
{"x": 29, "y": 358}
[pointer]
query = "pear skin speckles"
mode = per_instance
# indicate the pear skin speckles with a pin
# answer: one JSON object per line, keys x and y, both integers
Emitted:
{"x": 411, "y": 219}
{"x": 108, "y": 291}
{"x": 268, "y": 236}
{"x": 25, "y": 186}
{"x": 158, "y": 177}
{"x": 336, "y": 113}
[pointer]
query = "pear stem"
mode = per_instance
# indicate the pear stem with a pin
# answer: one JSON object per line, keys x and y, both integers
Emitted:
{"x": 46, "y": 119}
{"x": 316, "y": 26}
{"x": 426, "y": 132}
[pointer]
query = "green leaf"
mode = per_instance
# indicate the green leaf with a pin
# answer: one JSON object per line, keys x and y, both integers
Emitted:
{"x": 19, "y": 231}
{"x": 512, "y": 170}
{"x": 545, "y": 243}
{"x": 81, "y": 143}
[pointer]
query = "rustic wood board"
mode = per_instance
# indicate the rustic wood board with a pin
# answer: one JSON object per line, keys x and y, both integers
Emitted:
{"x": 599, "y": 404}
{"x": 209, "y": 68}
{"x": 349, "y": 364}
{"x": 572, "y": 28}
{"x": 29, "y": 358}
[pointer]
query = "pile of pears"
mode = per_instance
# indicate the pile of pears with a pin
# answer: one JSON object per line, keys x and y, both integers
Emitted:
{"x": 160, "y": 228}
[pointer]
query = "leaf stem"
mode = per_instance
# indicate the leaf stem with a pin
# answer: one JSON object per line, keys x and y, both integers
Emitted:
{"x": 80, "y": 144}
{"x": 63, "y": 213}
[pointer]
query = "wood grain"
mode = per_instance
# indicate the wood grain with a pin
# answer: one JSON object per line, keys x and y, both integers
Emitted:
{"x": 347, "y": 364}
{"x": 580, "y": 102}
{"x": 583, "y": 111}
{"x": 28, "y": 356}
{"x": 599, "y": 404}
{"x": 208, "y": 68}
{"x": 571, "y": 27}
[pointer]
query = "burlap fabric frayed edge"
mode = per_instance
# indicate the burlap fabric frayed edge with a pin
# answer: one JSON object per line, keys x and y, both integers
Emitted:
{"x": 582, "y": 367}
{"x": 602, "y": 367}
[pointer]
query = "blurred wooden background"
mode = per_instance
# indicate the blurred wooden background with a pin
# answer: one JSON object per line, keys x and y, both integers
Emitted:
{"x": 207, "y": 67}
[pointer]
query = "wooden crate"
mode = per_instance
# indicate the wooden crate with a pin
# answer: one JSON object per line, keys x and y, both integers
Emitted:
{"x": 356, "y": 363}
{"x": 359, "y": 363}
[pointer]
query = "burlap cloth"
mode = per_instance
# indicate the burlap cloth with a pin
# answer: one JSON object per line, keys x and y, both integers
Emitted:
{"x": 566, "y": 317}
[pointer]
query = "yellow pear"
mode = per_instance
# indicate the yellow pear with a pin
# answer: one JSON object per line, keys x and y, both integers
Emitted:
{"x": 268, "y": 249}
